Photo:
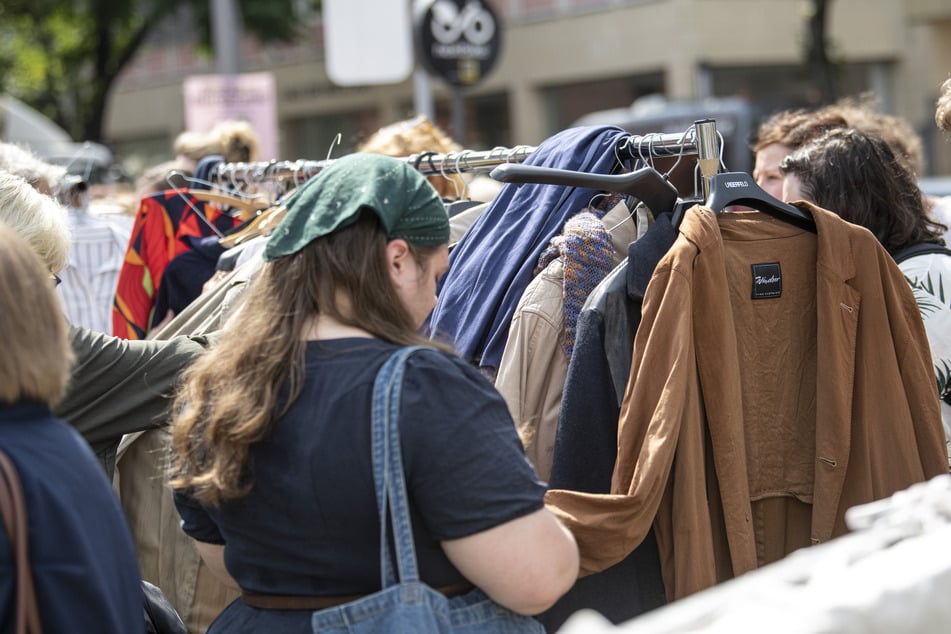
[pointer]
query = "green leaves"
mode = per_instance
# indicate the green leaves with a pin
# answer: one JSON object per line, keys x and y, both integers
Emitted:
{"x": 62, "y": 57}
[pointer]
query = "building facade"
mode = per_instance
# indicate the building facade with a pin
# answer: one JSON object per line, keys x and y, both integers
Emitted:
{"x": 562, "y": 59}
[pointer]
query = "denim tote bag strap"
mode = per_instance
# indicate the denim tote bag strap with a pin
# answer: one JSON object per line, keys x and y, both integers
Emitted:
{"x": 392, "y": 499}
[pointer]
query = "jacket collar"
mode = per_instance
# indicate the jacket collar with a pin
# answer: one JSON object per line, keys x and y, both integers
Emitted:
{"x": 833, "y": 233}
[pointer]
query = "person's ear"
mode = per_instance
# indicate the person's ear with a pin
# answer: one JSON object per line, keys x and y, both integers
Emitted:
{"x": 398, "y": 259}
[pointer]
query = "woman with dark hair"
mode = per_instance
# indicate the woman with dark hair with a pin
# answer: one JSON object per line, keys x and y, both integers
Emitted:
{"x": 787, "y": 130}
{"x": 857, "y": 176}
{"x": 271, "y": 446}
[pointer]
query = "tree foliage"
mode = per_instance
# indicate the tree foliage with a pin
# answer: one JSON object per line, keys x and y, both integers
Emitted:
{"x": 63, "y": 56}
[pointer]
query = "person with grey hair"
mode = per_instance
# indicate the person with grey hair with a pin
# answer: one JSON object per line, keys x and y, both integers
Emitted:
{"x": 37, "y": 218}
{"x": 81, "y": 554}
{"x": 43, "y": 176}
{"x": 97, "y": 245}
{"x": 116, "y": 386}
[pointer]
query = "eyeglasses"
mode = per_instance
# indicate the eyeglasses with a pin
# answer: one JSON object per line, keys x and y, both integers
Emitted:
{"x": 56, "y": 280}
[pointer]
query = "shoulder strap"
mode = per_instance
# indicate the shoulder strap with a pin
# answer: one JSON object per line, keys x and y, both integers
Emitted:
{"x": 392, "y": 499}
{"x": 14, "y": 520}
{"x": 920, "y": 249}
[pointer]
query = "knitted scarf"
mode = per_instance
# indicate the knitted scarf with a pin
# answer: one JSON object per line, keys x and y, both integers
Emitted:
{"x": 587, "y": 255}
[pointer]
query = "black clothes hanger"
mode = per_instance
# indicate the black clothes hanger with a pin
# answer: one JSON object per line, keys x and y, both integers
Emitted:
{"x": 681, "y": 207}
{"x": 646, "y": 184}
{"x": 739, "y": 188}
{"x": 456, "y": 207}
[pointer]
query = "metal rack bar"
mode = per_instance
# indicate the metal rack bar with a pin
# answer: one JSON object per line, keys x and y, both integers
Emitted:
{"x": 643, "y": 146}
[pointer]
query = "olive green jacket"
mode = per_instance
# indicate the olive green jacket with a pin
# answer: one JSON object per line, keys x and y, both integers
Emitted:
{"x": 118, "y": 386}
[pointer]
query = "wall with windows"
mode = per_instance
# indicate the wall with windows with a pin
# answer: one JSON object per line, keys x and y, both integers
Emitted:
{"x": 563, "y": 58}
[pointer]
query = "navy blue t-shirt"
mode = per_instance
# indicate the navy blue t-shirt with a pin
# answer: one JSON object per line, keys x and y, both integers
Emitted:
{"x": 309, "y": 524}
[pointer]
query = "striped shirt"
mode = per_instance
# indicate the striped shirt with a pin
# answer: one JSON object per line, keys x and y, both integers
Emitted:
{"x": 90, "y": 276}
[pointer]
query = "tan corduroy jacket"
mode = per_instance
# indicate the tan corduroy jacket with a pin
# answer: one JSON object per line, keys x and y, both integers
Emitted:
{"x": 736, "y": 404}
{"x": 531, "y": 375}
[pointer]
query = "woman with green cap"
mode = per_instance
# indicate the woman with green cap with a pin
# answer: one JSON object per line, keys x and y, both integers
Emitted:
{"x": 272, "y": 444}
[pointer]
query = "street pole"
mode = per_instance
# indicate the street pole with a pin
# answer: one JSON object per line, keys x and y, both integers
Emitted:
{"x": 458, "y": 116}
{"x": 422, "y": 81}
{"x": 226, "y": 34}
{"x": 423, "y": 93}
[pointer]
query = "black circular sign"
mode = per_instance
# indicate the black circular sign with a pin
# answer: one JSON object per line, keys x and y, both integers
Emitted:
{"x": 458, "y": 40}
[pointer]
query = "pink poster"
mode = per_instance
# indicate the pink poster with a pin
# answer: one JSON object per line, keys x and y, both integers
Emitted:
{"x": 247, "y": 97}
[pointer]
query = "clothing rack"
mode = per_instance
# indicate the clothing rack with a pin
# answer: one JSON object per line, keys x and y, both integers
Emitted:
{"x": 699, "y": 140}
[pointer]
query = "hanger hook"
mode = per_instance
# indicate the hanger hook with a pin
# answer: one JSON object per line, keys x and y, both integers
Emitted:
{"x": 722, "y": 145}
{"x": 336, "y": 141}
{"x": 640, "y": 150}
{"x": 621, "y": 147}
{"x": 442, "y": 172}
{"x": 464, "y": 155}
{"x": 232, "y": 169}
{"x": 465, "y": 183}
{"x": 680, "y": 154}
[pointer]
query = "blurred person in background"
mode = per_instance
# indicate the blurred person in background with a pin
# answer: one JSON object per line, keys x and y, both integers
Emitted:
{"x": 42, "y": 176}
{"x": 97, "y": 241}
{"x": 233, "y": 141}
{"x": 117, "y": 386}
{"x": 942, "y": 115}
{"x": 419, "y": 135}
{"x": 941, "y": 206}
{"x": 786, "y": 130}
{"x": 858, "y": 176}
{"x": 81, "y": 554}
{"x": 415, "y": 136}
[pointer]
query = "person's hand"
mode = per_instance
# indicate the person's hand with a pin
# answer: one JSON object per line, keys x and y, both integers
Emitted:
{"x": 158, "y": 327}
{"x": 213, "y": 281}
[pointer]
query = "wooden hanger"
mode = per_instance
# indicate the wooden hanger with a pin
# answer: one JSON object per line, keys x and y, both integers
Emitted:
{"x": 260, "y": 225}
{"x": 247, "y": 207}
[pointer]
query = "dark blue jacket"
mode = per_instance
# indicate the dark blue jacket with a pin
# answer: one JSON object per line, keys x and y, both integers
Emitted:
{"x": 185, "y": 276}
{"x": 84, "y": 565}
{"x": 493, "y": 263}
{"x": 586, "y": 441}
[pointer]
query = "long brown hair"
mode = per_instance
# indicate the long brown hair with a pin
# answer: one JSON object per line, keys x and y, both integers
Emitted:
{"x": 229, "y": 397}
{"x": 857, "y": 176}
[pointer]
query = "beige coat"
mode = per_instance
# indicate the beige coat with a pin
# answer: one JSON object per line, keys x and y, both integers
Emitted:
{"x": 532, "y": 371}
{"x": 749, "y": 426}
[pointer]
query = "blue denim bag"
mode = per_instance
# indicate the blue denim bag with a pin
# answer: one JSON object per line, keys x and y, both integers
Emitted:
{"x": 406, "y": 604}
